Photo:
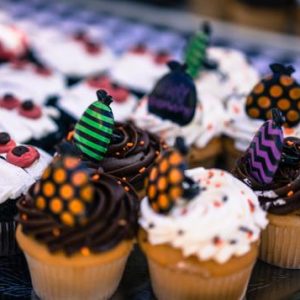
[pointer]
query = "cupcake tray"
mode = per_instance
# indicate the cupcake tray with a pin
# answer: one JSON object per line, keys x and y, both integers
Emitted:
{"x": 267, "y": 282}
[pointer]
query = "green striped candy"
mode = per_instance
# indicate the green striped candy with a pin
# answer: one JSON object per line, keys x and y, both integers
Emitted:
{"x": 94, "y": 130}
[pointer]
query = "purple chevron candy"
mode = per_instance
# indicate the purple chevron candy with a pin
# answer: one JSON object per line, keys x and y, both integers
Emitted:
{"x": 264, "y": 152}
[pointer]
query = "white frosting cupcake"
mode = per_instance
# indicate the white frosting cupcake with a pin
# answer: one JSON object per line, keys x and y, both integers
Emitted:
{"x": 140, "y": 68}
{"x": 79, "y": 97}
{"x": 221, "y": 222}
{"x": 29, "y": 80}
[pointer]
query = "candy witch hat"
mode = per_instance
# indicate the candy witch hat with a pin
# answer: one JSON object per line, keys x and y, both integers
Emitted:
{"x": 196, "y": 51}
{"x": 167, "y": 182}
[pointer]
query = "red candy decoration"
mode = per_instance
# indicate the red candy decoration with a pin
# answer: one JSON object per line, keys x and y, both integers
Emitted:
{"x": 9, "y": 101}
{"x": 162, "y": 58}
{"x": 6, "y": 143}
{"x": 30, "y": 110}
{"x": 22, "y": 156}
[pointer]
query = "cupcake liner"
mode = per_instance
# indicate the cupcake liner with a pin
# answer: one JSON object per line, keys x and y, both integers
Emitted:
{"x": 8, "y": 243}
{"x": 280, "y": 243}
{"x": 55, "y": 276}
{"x": 176, "y": 285}
{"x": 205, "y": 157}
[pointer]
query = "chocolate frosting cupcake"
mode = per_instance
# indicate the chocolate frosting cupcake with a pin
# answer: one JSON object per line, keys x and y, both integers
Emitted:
{"x": 71, "y": 212}
{"x": 130, "y": 155}
{"x": 281, "y": 196}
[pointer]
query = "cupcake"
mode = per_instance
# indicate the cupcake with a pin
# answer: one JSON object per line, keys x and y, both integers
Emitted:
{"x": 173, "y": 109}
{"x": 119, "y": 149}
{"x": 219, "y": 71}
{"x": 15, "y": 76}
{"x": 20, "y": 167}
{"x": 78, "y": 97}
{"x": 185, "y": 261}
{"x": 271, "y": 167}
{"x": 13, "y": 43}
{"x": 76, "y": 231}
{"x": 76, "y": 55}
{"x": 30, "y": 123}
{"x": 139, "y": 68}
{"x": 246, "y": 114}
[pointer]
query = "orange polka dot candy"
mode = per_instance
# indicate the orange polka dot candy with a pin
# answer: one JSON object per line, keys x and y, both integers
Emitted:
{"x": 66, "y": 192}
{"x": 165, "y": 180}
{"x": 278, "y": 90}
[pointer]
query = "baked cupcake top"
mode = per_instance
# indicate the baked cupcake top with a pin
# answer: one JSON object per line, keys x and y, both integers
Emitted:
{"x": 79, "y": 96}
{"x": 173, "y": 109}
{"x": 73, "y": 211}
{"x": 276, "y": 90}
{"x": 15, "y": 76}
{"x": 140, "y": 68}
{"x": 271, "y": 167}
{"x": 205, "y": 213}
{"x": 20, "y": 167}
{"x": 119, "y": 149}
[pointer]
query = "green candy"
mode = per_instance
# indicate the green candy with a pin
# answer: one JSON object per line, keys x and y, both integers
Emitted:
{"x": 94, "y": 130}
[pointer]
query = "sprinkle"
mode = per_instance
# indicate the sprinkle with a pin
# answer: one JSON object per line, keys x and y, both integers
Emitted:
{"x": 119, "y": 182}
{"x": 122, "y": 222}
{"x": 151, "y": 225}
{"x": 290, "y": 193}
{"x": 242, "y": 192}
{"x": 180, "y": 232}
{"x": 96, "y": 177}
{"x": 290, "y": 143}
{"x": 217, "y": 185}
{"x": 129, "y": 144}
{"x": 217, "y": 204}
{"x": 225, "y": 198}
{"x": 118, "y": 153}
{"x": 70, "y": 135}
{"x": 142, "y": 170}
{"x": 252, "y": 206}
{"x": 232, "y": 242}
{"x": 209, "y": 127}
{"x": 165, "y": 146}
{"x": 56, "y": 232}
{"x": 157, "y": 152}
{"x": 142, "y": 143}
{"x": 210, "y": 174}
{"x": 184, "y": 211}
{"x": 222, "y": 173}
{"x": 126, "y": 188}
{"x": 236, "y": 109}
{"x": 217, "y": 241}
{"x": 85, "y": 251}
{"x": 24, "y": 217}
{"x": 124, "y": 178}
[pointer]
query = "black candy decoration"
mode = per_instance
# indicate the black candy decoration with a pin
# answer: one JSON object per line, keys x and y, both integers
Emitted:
{"x": 4, "y": 138}
{"x": 174, "y": 97}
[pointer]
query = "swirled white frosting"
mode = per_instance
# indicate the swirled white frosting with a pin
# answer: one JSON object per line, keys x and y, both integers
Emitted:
{"x": 68, "y": 56}
{"x": 13, "y": 40}
{"x": 138, "y": 71}
{"x": 13, "y": 79}
{"x": 23, "y": 129}
{"x": 233, "y": 76}
{"x": 76, "y": 100}
{"x": 207, "y": 123}
{"x": 241, "y": 128}
{"x": 222, "y": 221}
{"x": 15, "y": 181}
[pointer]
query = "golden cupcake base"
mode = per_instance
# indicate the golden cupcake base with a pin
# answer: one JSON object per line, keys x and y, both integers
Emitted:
{"x": 55, "y": 276}
{"x": 176, "y": 277}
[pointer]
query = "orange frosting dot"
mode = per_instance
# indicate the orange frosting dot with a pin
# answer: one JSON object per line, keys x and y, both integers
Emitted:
{"x": 151, "y": 191}
{"x": 153, "y": 173}
{"x": 292, "y": 115}
{"x": 46, "y": 173}
{"x": 249, "y": 100}
{"x": 76, "y": 207}
{"x": 56, "y": 205}
{"x": 175, "y": 192}
{"x": 66, "y": 191}
{"x": 175, "y": 158}
{"x": 87, "y": 193}
{"x": 259, "y": 88}
{"x": 286, "y": 80}
{"x": 71, "y": 162}
{"x": 48, "y": 189}
{"x": 40, "y": 202}
{"x": 67, "y": 219}
{"x": 164, "y": 165}
{"x": 276, "y": 91}
{"x": 253, "y": 112}
{"x": 295, "y": 93}
{"x": 284, "y": 104}
{"x": 162, "y": 183}
{"x": 175, "y": 176}
{"x": 79, "y": 178}
{"x": 163, "y": 201}
{"x": 60, "y": 175}
{"x": 264, "y": 102}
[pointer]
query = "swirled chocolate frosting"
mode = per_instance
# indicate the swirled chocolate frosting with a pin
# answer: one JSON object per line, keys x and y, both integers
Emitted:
{"x": 130, "y": 155}
{"x": 112, "y": 220}
{"x": 282, "y": 195}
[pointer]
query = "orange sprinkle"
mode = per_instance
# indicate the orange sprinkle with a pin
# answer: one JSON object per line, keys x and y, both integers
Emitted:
{"x": 126, "y": 188}
{"x": 142, "y": 143}
{"x": 142, "y": 170}
{"x": 217, "y": 204}
{"x": 70, "y": 135}
{"x": 24, "y": 217}
{"x": 56, "y": 232}
{"x": 96, "y": 177}
{"x": 85, "y": 251}
{"x": 290, "y": 193}
{"x": 124, "y": 178}
{"x": 157, "y": 153}
{"x": 129, "y": 144}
